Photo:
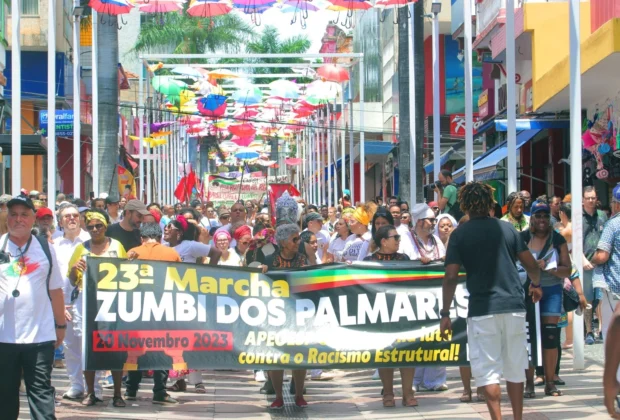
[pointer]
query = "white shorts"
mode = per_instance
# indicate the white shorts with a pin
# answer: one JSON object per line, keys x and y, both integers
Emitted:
{"x": 497, "y": 346}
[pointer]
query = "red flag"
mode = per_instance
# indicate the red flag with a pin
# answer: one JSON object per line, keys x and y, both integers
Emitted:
{"x": 183, "y": 191}
{"x": 179, "y": 192}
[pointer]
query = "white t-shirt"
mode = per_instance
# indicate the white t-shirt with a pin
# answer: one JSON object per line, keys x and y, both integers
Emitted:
{"x": 336, "y": 246}
{"x": 322, "y": 238}
{"x": 209, "y": 223}
{"x": 440, "y": 246}
{"x": 233, "y": 259}
{"x": 28, "y": 318}
{"x": 356, "y": 248}
{"x": 406, "y": 242}
{"x": 64, "y": 250}
{"x": 190, "y": 250}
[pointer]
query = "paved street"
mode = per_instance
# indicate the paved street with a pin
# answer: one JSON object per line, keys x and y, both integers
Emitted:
{"x": 234, "y": 395}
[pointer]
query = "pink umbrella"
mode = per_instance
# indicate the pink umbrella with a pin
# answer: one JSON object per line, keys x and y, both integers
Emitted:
{"x": 202, "y": 8}
{"x": 111, "y": 7}
{"x": 242, "y": 141}
{"x": 242, "y": 130}
{"x": 292, "y": 161}
{"x": 247, "y": 114}
{"x": 159, "y": 6}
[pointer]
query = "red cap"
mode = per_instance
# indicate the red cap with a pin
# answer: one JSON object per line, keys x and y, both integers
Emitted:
{"x": 433, "y": 204}
{"x": 44, "y": 211}
{"x": 156, "y": 215}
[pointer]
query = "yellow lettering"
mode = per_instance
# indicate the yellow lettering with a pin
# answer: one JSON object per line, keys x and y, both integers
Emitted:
{"x": 224, "y": 285}
{"x": 242, "y": 287}
{"x": 208, "y": 285}
{"x": 189, "y": 279}
{"x": 280, "y": 288}
{"x": 312, "y": 355}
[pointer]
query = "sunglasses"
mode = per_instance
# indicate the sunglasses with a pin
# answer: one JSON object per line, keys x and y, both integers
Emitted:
{"x": 396, "y": 237}
{"x": 542, "y": 216}
{"x": 71, "y": 216}
{"x": 98, "y": 226}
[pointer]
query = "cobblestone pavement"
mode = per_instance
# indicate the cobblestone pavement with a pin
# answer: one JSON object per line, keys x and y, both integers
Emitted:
{"x": 351, "y": 395}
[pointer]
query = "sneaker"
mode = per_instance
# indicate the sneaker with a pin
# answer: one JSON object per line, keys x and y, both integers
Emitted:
{"x": 131, "y": 395}
{"x": 300, "y": 402}
{"x": 107, "y": 382}
{"x": 22, "y": 389}
{"x": 164, "y": 399}
{"x": 590, "y": 339}
{"x": 259, "y": 376}
{"x": 277, "y": 404}
{"x": 73, "y": 394}
{"x": 442, "y": 387}
{"x": 323, "y": 376}
{"x": 267, "y": 388}
{"x": 375, "y": 376}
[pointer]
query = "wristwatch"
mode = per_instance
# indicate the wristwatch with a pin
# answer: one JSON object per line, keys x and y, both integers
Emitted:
{"x": 444, "y": 314}
{"x": 61, "y": 327}
{"x": 535, "y": 286}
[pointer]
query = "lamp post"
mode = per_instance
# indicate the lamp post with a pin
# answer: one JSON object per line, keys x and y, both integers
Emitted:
{"x": 435, "y": 10}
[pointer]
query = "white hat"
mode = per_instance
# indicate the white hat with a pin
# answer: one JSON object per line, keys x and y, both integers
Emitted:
{"x": 103, "y": 195}
{"x": 422, "y": 211}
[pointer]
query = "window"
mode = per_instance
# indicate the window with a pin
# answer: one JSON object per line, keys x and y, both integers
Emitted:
{"x": 29, "y": 7}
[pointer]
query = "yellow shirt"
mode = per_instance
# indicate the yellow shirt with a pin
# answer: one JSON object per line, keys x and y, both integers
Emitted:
{"x": 115, "y": 250}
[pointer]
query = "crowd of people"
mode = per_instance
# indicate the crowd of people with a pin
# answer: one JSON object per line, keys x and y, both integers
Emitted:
{"x": 513, "y": 256}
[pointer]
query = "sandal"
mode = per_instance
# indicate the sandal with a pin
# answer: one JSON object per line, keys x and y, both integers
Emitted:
{"x": 480, "y": 397}
{"x": 466, "y": 397}
{"x": 529, "y": 393}
{"x": 200, "y": 389}
{"x": 559, "y": 381}
{"x": 553, "y": 392}
{"x": 388, "y": 400}
{"x": 410, "y": 401}
{"x": 178, "y": 386}
{"x": 539, "y": 381}
{"x": 90, "y": 400}
{"x": 118, "y": 402}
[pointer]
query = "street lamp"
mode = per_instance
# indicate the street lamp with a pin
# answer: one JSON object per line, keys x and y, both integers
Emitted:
{"x": 436, "y": 9}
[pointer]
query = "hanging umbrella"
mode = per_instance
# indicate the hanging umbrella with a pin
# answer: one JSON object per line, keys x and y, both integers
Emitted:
{"x": 284, "y": 89}
{"x": 266, "y": 163}
{"x": 207, "y": 8}
{"x": 111, "y": 7}
{"x": 252, "y": 3}
{"x": 212, "y": 105}
{"x": 292, "y": 161}
{"x": 167, "y": 85}
{"x": 242, "y": 130}
{"x": 300, "y": 5}
{"x": 351, "y": 5}
{"x": 159, "y": 6}
{"x": 242, "y": 141}
{"x": 222, "y": 74}
{"x": 392, "y": 4}
{"x": 333, "y": 73}
{"x": 187, "y": 70}
{"x": 248, "y": 95}
{"x": 323, "y": 90}
{"x": 246, "y": 154}
{"x": 245, "y": 114}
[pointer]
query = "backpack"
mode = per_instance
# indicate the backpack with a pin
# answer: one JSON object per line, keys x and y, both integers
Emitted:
{"x": 45, "y": 246}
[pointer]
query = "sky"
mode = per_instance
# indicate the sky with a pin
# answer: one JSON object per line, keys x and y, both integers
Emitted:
{"x": 315, "y": 25}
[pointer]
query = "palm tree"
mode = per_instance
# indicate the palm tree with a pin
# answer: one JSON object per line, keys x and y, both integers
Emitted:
{"x": 183, "y": 34}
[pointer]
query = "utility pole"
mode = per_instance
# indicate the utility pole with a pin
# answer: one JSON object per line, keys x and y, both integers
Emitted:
{"x": 418, "y": 68}
{"x": 404, "y": 127}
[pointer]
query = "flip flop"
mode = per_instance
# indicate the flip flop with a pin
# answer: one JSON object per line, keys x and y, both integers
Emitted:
{"x": 466, "y": 397}
{"x": 554, "y": 392}
{"x": 118, "y": 402}
{"x": 529, "y": 394}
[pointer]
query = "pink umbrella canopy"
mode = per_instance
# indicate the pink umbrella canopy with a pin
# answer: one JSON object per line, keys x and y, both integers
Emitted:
{"x": 391, "y": 4}
{"x": 333, "y": 73}
{"x": 242, "y": 141}
{"x": 159, "y": 6}
{"x": 206, "y": 8}
{"x": 292, "y": 161}
{"x": 242, "y": 130}
{"x": 111, "y": 7}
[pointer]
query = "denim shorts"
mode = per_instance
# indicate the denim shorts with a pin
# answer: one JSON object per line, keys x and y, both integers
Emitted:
{"x": 551, "y": 302}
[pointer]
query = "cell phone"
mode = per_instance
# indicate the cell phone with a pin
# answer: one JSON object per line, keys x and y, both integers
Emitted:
{"x": 92, "y": 195}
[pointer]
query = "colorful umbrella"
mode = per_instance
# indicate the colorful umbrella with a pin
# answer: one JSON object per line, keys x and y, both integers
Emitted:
{"x": 391, "y": 4}
{"x": 187, "y": 70}
{"x": 111, "y": 7}
{"x": 267, "y": 163}
{"x": 242, "y": 141}
{"x": 222, "y": 74}
{"x": 246, "y": 154}
{"x": 333, "y": 73}
{"x": 292, "y": 161}
{"x": 159, "y": 6}
{"x": 167, "y": 85}
{"x": 352, "y": 4}
{"x": 242, "y": 130}
{"x": 212, "y": 105}
{"x": 248, "y": 95}
{"x": 206, "y": 8}
{"x": 284, "y": 89}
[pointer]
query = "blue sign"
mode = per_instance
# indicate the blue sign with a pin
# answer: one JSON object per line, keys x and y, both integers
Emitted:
{"x": 64, "y": 122}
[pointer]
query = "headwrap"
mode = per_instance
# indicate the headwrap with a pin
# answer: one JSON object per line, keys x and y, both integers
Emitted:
{"x": 93, "y": 215}
{"x": 156, "y": 215}
{"x": 241, "y": 232}
{"x": 222, "y": 233}
{"x": 445, "y": 216}
{"x": 313, "y": 216}
{"x": 422, "y": 211}
{"x": 362, "y": 216}
{"x": 183, "y": 222}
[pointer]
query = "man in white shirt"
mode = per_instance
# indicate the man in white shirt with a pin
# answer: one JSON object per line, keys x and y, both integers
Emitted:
{"x": 32, "y": 314}
{"x": 73, "y": 235}
{"x": 406, "y": 239}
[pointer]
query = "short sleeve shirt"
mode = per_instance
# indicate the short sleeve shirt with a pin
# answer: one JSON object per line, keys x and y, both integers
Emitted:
{"x": 592, "y": 230}
{"x": 115, "y": 250}
{"x": 610, "y": 242}
{"x": 192, "y": 250}
{"x": 28, "y": 318}
{"x": 449, "y": 193}
{"x": 356, "y": 249}
{"x": 488, "y": 248}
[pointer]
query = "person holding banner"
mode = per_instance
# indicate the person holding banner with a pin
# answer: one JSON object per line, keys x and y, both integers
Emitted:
{"x": 359, "y": 247}
{"x": 180, "y": 235}
{"x": 229, "y": 257}
{"x": 338, "y": 241}
{"x": 99, "y": 245}
{"x": 496, "y": 327}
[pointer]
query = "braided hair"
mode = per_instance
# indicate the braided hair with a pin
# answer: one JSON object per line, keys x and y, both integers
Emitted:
{"x": 476, "y": 198}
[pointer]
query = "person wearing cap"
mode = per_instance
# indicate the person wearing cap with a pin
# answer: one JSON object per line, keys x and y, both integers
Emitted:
{"x": 4, "y": 199}
{"x": 34, "y": 194}
{"x": 45, "y": 221}
{"x": 607, "y": 262}
{"x": 112, "y": 208}
{"x": 32, "y": 311}
{"x": 314, "y": 223}
{"x": 127, "y": 231}
{"x": 551, "y": 253}
{"x": 435, "y": 207}
{"x": 151, "y": 250}
{"x": 427, "y": 247}
{"x": 224, "y": 216}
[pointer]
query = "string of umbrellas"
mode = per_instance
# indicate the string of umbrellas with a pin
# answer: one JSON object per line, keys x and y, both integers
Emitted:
{"x": 244, "y": 120}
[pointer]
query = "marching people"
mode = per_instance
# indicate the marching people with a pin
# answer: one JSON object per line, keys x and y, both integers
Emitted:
{"x": 32, "y": 314}
{"x": 358, "y": 248}
{"x": 181, "y": 235}
{"x": 338, "y": 240}
{"x": 515, "y": 212}
{"x": 496, "y": 328}
{"x": 314, "y": 223}
{"x": 387, "y": 240}
{"x": 99, "y": 245}
{"x": 229, "y": 257}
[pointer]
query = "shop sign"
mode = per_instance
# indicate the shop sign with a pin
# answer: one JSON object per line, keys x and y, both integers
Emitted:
{"x": 457, "y": 124}
{"x": 483, "y": 103}
{"x": 64, "y": 122}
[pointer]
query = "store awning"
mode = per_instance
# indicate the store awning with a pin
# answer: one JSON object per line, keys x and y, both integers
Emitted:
{"x": 32, "y": 144}
{"x": 338, "y": 166}
{"x": 485, "y": 166}
{"x": 374, "y": 151}
{"x": 532, "y": 124}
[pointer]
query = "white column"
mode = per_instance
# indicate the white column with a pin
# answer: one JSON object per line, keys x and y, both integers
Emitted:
{"x": 469, "y": 110}
{"x": 149, "y": 155}
{"x": 312, "y": 178}
{"x": 351, "y": 145}
{"x": 575, "y": 165}
{"x": 95, "y": 96}
{"x": 142, "y": 171}
{"x": 51, "y": 105}
{"x": 334, "y": 145}
{"x": 318, "y": 166}
{"x": 436, "y": 100}
{"x": 343, "y": 171}
{"x": 16, "y": 100}
{"x": 412, "y": 112}
{"x": 511, "y": 110}
{"x": 77, "y": 123}
{"x": 362, "y": 142}
{"x": 328, "y": 146}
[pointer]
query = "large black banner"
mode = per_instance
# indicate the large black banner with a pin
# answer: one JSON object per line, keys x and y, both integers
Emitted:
{"x": 156, "y": 315}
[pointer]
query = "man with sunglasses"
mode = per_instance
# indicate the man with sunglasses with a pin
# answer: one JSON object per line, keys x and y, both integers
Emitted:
{"x": 427, "y": 247}
{"x": 32, "y": 314}
{"x": 72, "y": 236}
{"x": 237, "y": 213}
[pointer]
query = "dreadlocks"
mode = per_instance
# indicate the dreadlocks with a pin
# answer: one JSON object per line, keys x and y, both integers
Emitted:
{"x": 476, "y": 198}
